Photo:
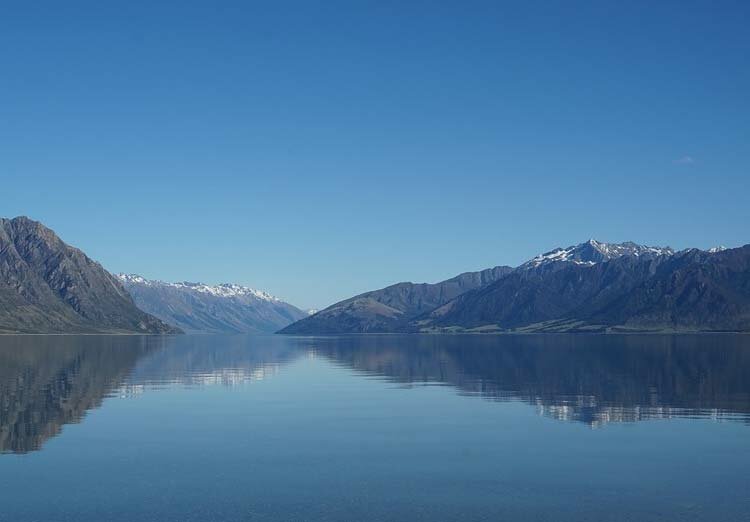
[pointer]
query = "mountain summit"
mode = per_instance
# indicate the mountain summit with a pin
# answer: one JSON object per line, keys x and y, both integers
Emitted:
{"x": 593, "y": 251}
{"x": 47, "y": 286}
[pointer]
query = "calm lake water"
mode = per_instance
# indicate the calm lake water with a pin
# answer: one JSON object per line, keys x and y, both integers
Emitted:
{"x": 364, "y": 428}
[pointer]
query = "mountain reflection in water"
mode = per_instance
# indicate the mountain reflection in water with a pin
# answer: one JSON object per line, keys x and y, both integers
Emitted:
{"x": 588, "y": 378}
{"x": 47, "y": 382}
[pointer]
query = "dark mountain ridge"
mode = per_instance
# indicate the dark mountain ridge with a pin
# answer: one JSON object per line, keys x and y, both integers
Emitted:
{"x": 692, "y": 290}
{"x": 390, "y": 309}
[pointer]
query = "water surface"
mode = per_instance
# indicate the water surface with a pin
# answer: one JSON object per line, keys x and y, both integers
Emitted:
{"x": 368, "y": 428}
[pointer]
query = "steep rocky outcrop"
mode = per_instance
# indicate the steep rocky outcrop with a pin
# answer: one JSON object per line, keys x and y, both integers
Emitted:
{"x": 47, "y": 286}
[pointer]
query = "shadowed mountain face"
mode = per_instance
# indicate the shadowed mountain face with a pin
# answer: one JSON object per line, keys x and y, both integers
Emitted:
{"x": 590, "y": 379}
{"x": 200, "y": 308}
{"x": 390, "y": 309}
{"x": 692, "y": 290}
{"x": 47, "y": 286}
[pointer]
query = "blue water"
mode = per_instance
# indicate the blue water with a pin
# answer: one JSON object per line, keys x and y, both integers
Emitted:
{"x": 543, "y": 428}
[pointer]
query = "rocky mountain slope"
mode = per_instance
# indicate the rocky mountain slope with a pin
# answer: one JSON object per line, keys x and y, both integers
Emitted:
{"x": 47, "y": 286}
{"x": 196, "y": 307}
{"x": 390, "y": 309}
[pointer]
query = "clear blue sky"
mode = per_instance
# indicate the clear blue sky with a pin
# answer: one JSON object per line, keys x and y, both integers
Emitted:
{"x": 321, "y": 149}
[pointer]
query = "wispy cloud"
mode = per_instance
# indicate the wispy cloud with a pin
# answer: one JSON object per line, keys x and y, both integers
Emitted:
{"x": 685, "y": 160}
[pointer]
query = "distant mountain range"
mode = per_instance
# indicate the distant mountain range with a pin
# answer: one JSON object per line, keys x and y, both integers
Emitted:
{"x": 197, "y": 307}
{"x": 47, "y": 286}
{"x": 590, "y": 287}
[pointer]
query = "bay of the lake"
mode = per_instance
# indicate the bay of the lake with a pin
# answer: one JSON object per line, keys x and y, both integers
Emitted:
{"x": 363, "y": 428}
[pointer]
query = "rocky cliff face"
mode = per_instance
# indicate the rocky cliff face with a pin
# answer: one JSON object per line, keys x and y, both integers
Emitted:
{"x": 47, "y": 286}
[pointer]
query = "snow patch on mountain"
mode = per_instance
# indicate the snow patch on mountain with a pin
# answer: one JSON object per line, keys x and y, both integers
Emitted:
{"x": 227, "y": 290}
{"x": 593, "y": 251}
{"x": 558, "y": 254}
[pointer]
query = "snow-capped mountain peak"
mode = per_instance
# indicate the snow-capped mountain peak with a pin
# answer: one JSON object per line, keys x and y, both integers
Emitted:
{"x": 715, "y": 249}
{"x": 593, "y": 251}
{"x": 133, "y": 278}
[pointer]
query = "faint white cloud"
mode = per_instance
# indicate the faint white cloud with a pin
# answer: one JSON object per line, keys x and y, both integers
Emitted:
{"x": 685, "y": 160}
